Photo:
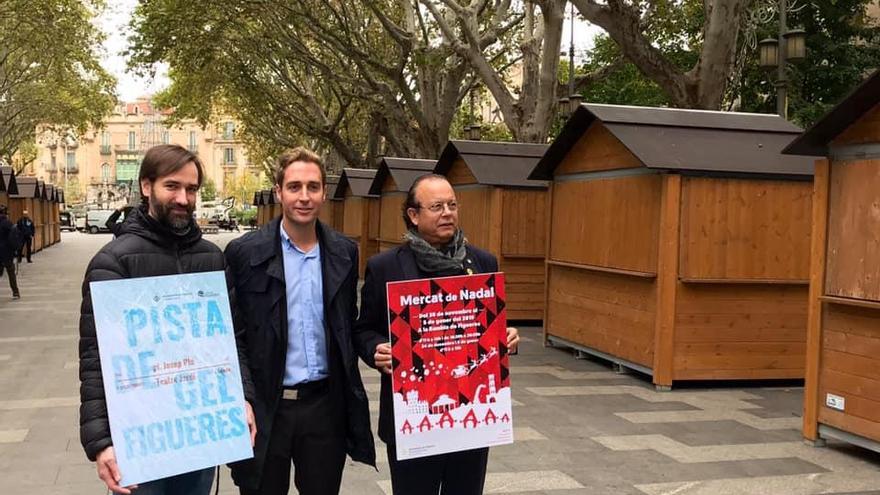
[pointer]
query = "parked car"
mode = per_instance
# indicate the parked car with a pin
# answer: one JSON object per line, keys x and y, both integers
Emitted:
{"x": 67, "y": 221}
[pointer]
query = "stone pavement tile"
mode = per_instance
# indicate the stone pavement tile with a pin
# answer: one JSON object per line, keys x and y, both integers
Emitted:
{"x": 71, "y": 401}
{"x": 13, "y": 436}
{"x": 517, "y": 482}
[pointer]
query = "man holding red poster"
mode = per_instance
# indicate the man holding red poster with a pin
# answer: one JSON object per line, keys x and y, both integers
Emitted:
{"x": 450, "y": 377}
{"x": 451, "y": 458}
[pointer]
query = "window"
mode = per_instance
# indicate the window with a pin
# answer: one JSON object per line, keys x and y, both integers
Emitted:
{"x": 228, "y": 155}
{"x": 131, "y": 140}
{"x": 166, "y": 137}
{"x": 192, "y": 139}
{"x": 71, "y": 160}
{"x": 105, "y": 139}
{"x": 105, "y": 172}
{"x": 228, "y": 130}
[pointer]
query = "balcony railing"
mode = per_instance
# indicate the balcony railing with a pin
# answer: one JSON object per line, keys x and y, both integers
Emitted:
{"x": 106, "y": 149}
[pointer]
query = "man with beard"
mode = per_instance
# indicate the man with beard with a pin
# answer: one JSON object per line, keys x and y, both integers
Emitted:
{"x": 159, "y": 238}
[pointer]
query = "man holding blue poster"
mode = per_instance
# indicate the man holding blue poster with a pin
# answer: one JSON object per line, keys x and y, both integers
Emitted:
{"x": 295, "y": 281}
{"x": 159, "y": 238}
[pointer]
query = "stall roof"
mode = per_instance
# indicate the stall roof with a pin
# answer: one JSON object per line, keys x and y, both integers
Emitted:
{"x": 8, "y": 183}
{"x": 686, "y": 140}
{"x": 267, "y": 198}
{"x": 41, "y": 189}
{"x": 60, "y": 193}
{"x": 359, "y": 179}
{"x": 493, "y": 163}
{"x": 404, "y": 171}
{"x": 258, "y": 195}
{"x": 861, "y": 100}
{"x": 28, "y": 187}
{"x": 332, "y": 183}
{"x": 50, "y": 193}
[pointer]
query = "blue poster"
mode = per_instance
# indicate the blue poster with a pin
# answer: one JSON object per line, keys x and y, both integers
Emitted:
{"x": 171, "y": 374}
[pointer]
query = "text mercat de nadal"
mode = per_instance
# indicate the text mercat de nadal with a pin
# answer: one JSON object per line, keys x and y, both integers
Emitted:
{"x": 463, "y": 294}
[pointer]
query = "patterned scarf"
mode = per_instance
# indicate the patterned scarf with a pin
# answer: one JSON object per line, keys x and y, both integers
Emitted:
{"x": 446, "y": 261}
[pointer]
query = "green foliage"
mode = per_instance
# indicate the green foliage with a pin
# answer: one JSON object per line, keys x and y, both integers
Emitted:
{"x": 208, "y": 190}
{"x": 243, "y": 188}
{"x": 843, "y": 46}
{"x": 50, "y": 73}
{"x": 244, "y": 216}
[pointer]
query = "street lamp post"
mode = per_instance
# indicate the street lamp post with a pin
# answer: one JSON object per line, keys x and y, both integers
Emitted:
{"x": 789, "y": 45}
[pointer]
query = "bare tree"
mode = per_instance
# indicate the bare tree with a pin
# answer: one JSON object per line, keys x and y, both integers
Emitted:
{"x": 704, "y": 84}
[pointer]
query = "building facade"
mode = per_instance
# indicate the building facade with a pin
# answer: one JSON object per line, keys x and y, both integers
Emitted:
{"x": 100, "y": 167}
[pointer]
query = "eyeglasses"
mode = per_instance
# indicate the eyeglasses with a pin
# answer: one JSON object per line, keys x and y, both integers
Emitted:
{"x": 438, "y": 206}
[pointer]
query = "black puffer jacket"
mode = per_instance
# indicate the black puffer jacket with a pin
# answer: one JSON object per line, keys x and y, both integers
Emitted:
{"x": 144, "y": 248}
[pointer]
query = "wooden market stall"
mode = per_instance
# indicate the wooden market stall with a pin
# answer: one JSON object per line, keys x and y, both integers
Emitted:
{"x": 392, "y": 182}
{"x": 267, "y": 205}
{"x": 29, "y": 195}
{"x": 8, "y": 185}
{"x": 679, "y": 242}
{"x": 360, "y": 220}
{"x": 503, "y": 212}
{"x": 331, "y": 210}
{"x": 56, "y": 212}
{"x": 49, "y": 219}
{"x": 842, "y": 390}
{"x": 38, "y": 216}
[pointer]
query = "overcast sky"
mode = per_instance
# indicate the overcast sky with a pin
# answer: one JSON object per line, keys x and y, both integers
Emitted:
{"x": 114, "y": 22}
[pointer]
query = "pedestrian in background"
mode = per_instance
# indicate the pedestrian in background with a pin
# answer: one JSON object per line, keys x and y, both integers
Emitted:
{"x": 9, "y": 244}
{"x": 27, "y": 231}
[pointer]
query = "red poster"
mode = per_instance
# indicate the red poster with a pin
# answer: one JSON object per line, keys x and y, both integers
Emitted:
{"x": 450, "y": 374}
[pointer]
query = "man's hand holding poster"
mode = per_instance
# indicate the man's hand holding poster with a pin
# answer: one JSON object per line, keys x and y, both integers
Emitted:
{"x": 450, "y": 375}
{"x": 171, "y": 374}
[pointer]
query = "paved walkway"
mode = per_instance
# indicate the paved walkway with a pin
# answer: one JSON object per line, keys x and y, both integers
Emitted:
{"x": 580, "y": 428}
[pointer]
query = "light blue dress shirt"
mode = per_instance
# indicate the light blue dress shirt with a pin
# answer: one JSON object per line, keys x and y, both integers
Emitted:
{"x": 306, "y": 340}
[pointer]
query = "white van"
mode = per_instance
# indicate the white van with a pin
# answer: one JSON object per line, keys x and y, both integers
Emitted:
{"x": 96, "y": 220}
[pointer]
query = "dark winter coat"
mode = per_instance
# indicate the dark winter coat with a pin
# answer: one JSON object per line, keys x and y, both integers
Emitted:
{"x": 371, "y": 328}
{"x": 256, "y": 267}
{"x": 26, "y": 227}
{"x": 6, "y": 250}
{"x": 144, "y": 248}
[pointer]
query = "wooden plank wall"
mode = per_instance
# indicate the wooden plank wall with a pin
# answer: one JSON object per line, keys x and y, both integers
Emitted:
{"x": 475, "y": 215}
{"x": 353, "y": 222}
{"x": 326, "y": 213}
{"x": 854, "y": 230}
{"x": 523, "y": 246}
{"x": 739, "y": 331}
{"x": 850, "y": 368}
{"x": 36, "y": 214}
{"x": 608, "y": 312}
{"x": 391, "y": 226}
{"x": 737, "y": 229}
{"x": 610, "y": 228}
{"x": 4, "y": 198}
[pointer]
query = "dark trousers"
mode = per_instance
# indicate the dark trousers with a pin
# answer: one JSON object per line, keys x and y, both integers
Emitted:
{"x": 27, "y": 245}
{"x": 309, "y": 431}
{"x": 457, "y": 473}
{"x": 9, "y": 266}
{"x": 194, "y": 483}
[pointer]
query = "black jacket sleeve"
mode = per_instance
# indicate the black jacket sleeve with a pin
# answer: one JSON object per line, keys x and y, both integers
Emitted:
{"x": 238, "y": 318}
{"x": 94, "y": 425}
{"x": 370, "y": 329}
